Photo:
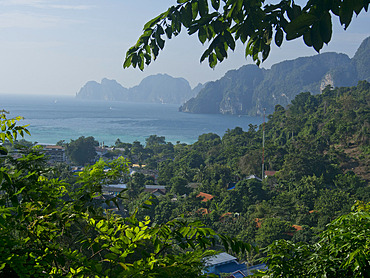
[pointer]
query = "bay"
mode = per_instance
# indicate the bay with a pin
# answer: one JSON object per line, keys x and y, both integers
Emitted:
{"x": 54, "y": 118}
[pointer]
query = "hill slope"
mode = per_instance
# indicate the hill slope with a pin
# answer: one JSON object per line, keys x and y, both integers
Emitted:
{"x": 250, "y": 89}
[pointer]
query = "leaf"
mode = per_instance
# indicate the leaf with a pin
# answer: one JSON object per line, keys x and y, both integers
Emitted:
{"x": 265, "y": 52}
{"x": 127, "y": 62}
{"x": 202, "y": 34}
{"x": 194, "y": 9}
{"x": 299, "y": 26}
{"x": 325, "y": 26}
{"x": 346, "y": 13}
{"x": 152, "y": 22}
{"x": 279, "y": 37}
{"x": 111, "y": 256}
{"x": 160, "y": 43}
{"x": 317, "y": 42}
{"x": 141, "y": 60}
{"x": 212, "y": 60}
{"x": 187, "y": 15}
{"x": 215, "y": 4}
{"x": 205, "y": 54}
{"x": 203, "y": 7}
{"x": 229, "y": 39}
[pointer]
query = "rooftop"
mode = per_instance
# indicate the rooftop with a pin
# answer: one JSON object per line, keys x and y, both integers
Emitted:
{"x": 206, "y": 197}
{"x": 221, "y": 258}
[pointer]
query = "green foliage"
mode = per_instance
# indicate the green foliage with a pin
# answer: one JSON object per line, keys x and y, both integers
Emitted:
{"x": 9, "y": 129}
{"x": 342, "y": 250}
{"x": 223, "y": 23}
{"x": 82, "y": 150}
{"x": 49, "y": 230}
{"x": 179, "y": 186}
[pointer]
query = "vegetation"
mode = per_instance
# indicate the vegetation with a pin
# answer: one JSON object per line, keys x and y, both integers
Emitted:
{"x": 82, "y": 150}
{"x": 50, "y": 228}
{"x": 318, "y": 147}
{"x": 223, "y": 23}
{"x": 301, "y": 216}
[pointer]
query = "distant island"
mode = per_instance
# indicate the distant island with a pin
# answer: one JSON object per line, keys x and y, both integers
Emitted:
{"x": 160, "y": 88}
{"x": 245, "y": 91}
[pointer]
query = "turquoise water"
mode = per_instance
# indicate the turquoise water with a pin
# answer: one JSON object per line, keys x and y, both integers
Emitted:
{"x": 64, "y": 118}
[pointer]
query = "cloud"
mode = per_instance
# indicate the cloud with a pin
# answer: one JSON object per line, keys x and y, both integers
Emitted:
{"x": 31, "y": 20}
{"x": 43, "y": 4}
{"x": 27, "y": 20}
{"x": 22, "y": 2}
{"x": 71, "y": 7}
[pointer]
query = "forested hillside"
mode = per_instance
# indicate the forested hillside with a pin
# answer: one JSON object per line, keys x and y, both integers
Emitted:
{"x": 57, "y": 223}
{"x": 250, "y": 89}
{"x": 317, "y": 150}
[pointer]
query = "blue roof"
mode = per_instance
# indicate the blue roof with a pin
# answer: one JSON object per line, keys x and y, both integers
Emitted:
{"x": 238, "y": 275}
{"x": 221, "y": 258}
{"x": 229, "y": 268}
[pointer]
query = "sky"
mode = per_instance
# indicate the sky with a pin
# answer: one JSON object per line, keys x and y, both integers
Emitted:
{"x": 54, "y": 47}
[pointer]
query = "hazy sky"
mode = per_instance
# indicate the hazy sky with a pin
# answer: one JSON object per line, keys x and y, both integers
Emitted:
{"x": 55, "y": 47}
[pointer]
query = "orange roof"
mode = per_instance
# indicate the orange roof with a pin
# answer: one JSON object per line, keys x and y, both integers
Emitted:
{"x": 297, "y": 227}
{"x": 312, "y": 211}
{"x": 270, "y": 173}
{"x": 258, "y": 222}
{"x": 203, "y": 211}
{"x": 206, "y": 197}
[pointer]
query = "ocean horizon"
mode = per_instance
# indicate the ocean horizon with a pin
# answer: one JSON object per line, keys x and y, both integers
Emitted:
{"x": 54, "y": 118}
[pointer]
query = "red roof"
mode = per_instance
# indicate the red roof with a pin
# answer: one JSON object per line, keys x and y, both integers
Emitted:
{"x": 270, "y": 173}
{"x": 203, "y": 211}
{"x": 258, "y": 222}
{"x": 206, "y": 197}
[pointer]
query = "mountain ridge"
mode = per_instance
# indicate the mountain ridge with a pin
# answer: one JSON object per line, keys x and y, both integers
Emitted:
{"x": 266, "y": 88}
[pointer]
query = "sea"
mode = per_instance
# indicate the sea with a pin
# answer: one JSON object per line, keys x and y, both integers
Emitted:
{"x": 55, "y": 118}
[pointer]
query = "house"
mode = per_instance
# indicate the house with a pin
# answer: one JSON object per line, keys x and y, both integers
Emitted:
{"x": 205, "y": 196}
{"x": 269, "y": 173}
{"x": 247, "y": 271}
{"x": 258, "y": 222}
{"x": 101, "y": 151}
{"x": 253, "y": 177}
{"x": 157, "y": 190}
{"x": 203, "y": 211}
{"x": 113, "y": 189}
{"x": 231, "y": 185}
{"x": 221, "y": 263}
{"x": 54, "y": 153}
{"x": 226, "y": 263}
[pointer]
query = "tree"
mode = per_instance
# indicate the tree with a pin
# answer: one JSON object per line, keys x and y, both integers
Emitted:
{"x": 136, "y": 185}
{"x": 179, "y": 186}
{"x": 154, "y": 140}
{"x": 273, "y": 229}
{"x": 342, "y": 250}
{"x": 48, "y": 230}
{"x": 224, "y": 22}
{"x": 82, "y": 150}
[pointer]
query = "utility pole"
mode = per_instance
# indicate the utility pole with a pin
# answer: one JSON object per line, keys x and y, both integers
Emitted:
{"x": 263, "y": 145}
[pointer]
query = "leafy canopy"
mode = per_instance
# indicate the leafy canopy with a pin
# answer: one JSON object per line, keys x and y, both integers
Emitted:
{"x": 221, "y": 23}
{"x": 50, "y": 228}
